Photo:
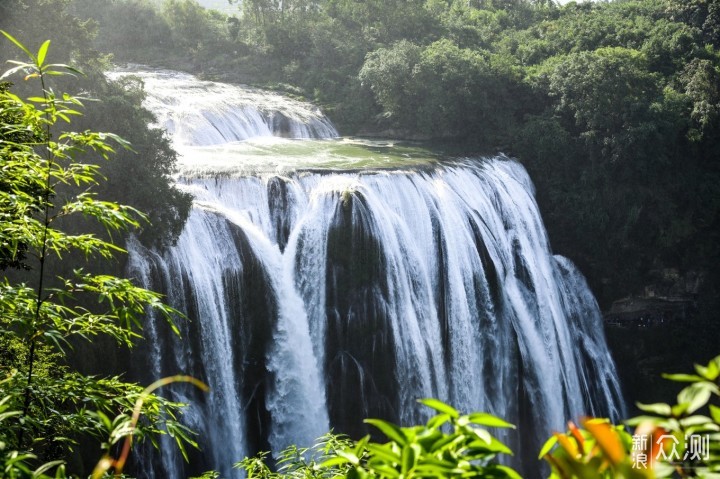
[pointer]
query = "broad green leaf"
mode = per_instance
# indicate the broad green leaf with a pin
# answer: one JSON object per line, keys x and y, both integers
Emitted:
{"x": 384, "y": 452}
{"x": 695, "y": 420}
{"x": 494, "y": 446}
{"x": 350, "y": 456}
{"x": 443, "y": 442}
{"x": 440, "y": 407}
{"x": 409, "y": 458}
{"x": 661, "y": 409}
{"x": 489, "y": 420}
{"x": 361, "y": 445}
{"x": 385, "y": 471}
{"x": 428, "y": 437}
{"x": 510, "y": 472}
{"x": 438, "y": 463}
{"x": 679, "y": 409}
{"x": 433, "y": 470}
{"x": 695, "y": 395}
{"x": 390, "y": 430}
{"x": 483, "y": 434}
{"x": 711, "y": 371}
{"x": 438, "y": 420}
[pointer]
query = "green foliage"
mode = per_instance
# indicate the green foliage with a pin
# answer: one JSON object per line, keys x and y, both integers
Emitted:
{"x": 389, "y": 73}
{"x": 602, "y": 450}
{"x": 47, "y": 406}
{"x": 441, "y": 90}
{"x": 450, "y": 445}
{"x": 317, "y": 462}
{"x": 696, "y": 412}
{"x": 599, "y": 450}
{"x": 428, "y": 451}
{"x": 609, "y": 93}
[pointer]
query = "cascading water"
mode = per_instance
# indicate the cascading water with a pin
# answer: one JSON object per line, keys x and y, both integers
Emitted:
{"x": 332, "y": 280}
{"x": 200, "y": 113}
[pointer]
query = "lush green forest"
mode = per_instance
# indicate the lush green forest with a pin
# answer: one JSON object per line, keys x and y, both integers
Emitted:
{"x": 614, "y": 108}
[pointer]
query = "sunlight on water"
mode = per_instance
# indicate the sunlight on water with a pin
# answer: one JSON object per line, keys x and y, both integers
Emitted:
{"x": 278, "y": 155}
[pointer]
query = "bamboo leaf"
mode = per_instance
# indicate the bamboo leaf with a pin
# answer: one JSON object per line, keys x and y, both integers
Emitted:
{"x": 67, "y": 67}
{"x": 12, "y": 71}
{"x": 18, "y": 44}
{"x": 42, "y": 52}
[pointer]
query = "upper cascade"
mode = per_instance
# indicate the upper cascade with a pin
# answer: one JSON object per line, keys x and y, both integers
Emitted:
{"x": 204, "y": 113}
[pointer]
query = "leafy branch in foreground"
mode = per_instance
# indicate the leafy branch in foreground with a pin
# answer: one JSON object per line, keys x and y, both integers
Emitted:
{"x": 123, "y": 427}
{"x": 680, "y": 440}
{"x": 46, "y": 407}
{"x": 453, "y": 445}
{"x": 425, "y": 451}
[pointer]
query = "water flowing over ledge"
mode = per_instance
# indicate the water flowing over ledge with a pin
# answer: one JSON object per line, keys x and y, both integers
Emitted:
{"x": 203, "y": 113}
{"x": 359, "y": 279}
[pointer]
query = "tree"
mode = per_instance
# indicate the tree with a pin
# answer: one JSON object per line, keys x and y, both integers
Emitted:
{"x": 47, "y": 407}
{"x": 441, "y": 90}
{"x": 609, "y": 92}
{"x": 389, "y": 72}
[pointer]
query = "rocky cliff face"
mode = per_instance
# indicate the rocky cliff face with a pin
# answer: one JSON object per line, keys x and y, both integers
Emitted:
{"x": 670, "y": 297}
{"x": 664, "y": 329}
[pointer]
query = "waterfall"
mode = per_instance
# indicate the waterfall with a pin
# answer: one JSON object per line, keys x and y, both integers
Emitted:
{"x": 327, "y": 281}
{"x": 204, "y": 113}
